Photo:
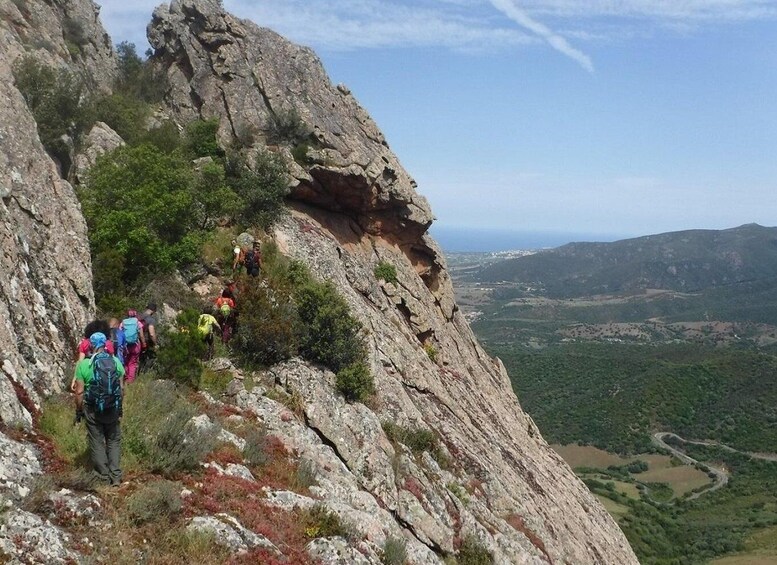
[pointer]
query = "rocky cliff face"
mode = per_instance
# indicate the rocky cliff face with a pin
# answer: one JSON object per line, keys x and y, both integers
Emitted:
{"x": 354, "y": 206}
{"x": 45, "y": 278}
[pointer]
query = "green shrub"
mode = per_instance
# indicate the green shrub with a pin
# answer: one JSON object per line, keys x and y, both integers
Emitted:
{"x": 254, "y": 452}
{"x": 355, "y": 382}
{"x": 180, "y": 351}
{"x": 213, "y": 199}
{"x": 157, "y": 502}
{"x": 305, "y": 476}
{"x": 267, "y": 328}
{"x": 200, "y": 139}
{"x": 300, "y": 154}
{"x": 156, "y": 434}
{"x": 431, "y": 352}
{"x": 137, "y": 78}
{"x": 165, "y": 137}
{"x": 386, "y": 271}
{"x": 74, "y": 35}
{"x": 55, "y": 100}
{"x": 73, "y": 31}
{"x": 107, "y": 273}
{"x": 181, "y": 545}
{"x": 217, "y": 247}
{"x": 214, "y": 382}
{"x": 329, "y": 334}
{"x": 141, "y": 203}
{"x": 319, "y": 522}
{"x": 418, "y": 440}
{"x": 472, "y": 552}
{"x": 37, "y": 500}
{"x": 262, "y": 187}
{"x": 287, "y": 127}
{"x": 124, "y": 114}
{"x": 394, "y": 551}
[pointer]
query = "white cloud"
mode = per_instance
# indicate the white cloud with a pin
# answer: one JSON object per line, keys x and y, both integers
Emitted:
{"x": 558, "y": 43}
{"x": 358, "y": 24}
{"x": 459, "y": 24}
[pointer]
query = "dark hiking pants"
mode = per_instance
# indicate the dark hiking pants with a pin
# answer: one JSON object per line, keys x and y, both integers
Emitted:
{"x": 104, "y": 437}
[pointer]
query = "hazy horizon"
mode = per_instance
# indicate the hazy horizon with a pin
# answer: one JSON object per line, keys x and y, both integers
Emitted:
{"x": 462, "y": 239}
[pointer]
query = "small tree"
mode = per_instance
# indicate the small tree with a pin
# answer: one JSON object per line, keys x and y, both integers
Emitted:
{"x": 181, "y": 350}
{"x": 262, "y": 188}
{"x": 329, "y": 334}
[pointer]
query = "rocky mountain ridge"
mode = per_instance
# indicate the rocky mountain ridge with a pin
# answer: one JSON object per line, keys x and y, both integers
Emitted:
{"x": 353, "y": 206}
{"x": 684, "y": 261}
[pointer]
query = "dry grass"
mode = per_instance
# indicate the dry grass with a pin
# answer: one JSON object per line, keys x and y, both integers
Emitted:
{"x": 682, "y": 479}
{"x": 588, "y": 456}
{"x": 616, "y": 510}
{"x": 656, "y": 462}
{"x": 627, "y": 489}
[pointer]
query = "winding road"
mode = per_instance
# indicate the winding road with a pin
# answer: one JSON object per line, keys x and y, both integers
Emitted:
{"x": 721, "y": 474}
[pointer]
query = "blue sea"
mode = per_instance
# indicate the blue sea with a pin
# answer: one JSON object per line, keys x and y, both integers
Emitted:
{"x": 458, "y": 239}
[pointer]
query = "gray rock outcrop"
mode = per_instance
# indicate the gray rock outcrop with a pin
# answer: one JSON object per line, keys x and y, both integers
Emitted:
{"x": 268, "y": 91}
{"x": 100, "y": 140}
{"x": 60, "y": 34}
{"x": 46, "y": 287}
{"x": 355, "y": 206}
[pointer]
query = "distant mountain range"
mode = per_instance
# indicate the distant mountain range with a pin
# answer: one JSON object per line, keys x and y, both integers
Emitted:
{"x": 685, "y": 261}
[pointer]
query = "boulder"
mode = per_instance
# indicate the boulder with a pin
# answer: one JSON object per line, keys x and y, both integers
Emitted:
{"x": 230, "y": 533}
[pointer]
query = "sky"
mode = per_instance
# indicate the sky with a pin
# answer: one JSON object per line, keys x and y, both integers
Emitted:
{"x": 610, "y": 117}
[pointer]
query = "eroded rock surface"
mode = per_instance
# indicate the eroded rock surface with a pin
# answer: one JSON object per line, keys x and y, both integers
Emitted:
{"x": 355, "y": 206}
{"x": 492, "y": 477}
{"x": 45, "y": 287}
{"x": 268, "y": 91}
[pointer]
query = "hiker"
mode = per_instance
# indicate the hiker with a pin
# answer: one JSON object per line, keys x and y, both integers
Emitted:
{"x": 230, "y": 290}
{"x": 149, "y": 323}
{"x": 117, "y": 339}
{"x": 253, "y": 260}
{"x": 134, "y": 342}
{"x": 99, "y": 391}
{"x": 238, "y": 257}
{"x": 225, "y": 315}
{"x": 92, "y": 327}
{"x": 205, "y": 324}
{"x": 84, "y": 347}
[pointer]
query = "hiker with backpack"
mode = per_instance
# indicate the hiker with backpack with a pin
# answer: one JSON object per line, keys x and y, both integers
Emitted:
{"x": 134, "y": 342}
{"x": 226, "y": 314}
{"x": 253, "y": 260}
{"x": 238, "y": 257}
{"x": 205, "y": 325}
{"x": 116, "y": 339}
{"x": 99, "y": 392}
{"x": 230, "y": 289}
{"x": 84, "y": 347}
{"x": 148, "y": 325}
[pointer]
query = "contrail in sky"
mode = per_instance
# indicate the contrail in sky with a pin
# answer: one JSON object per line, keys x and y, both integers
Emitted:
{"x": 509, "y": 8}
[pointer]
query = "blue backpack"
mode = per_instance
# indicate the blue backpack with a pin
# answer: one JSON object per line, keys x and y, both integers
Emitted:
{"x": 103, "y": 394}
{"x": 130, "y": 330}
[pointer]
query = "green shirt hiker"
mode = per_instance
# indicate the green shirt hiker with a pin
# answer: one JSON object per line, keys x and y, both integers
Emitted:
{"x": 84, "y": 372}
{"x": 103, "y": 424}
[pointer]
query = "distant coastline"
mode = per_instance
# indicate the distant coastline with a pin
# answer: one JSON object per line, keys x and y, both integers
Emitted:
{"x": 461, "y": 239}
